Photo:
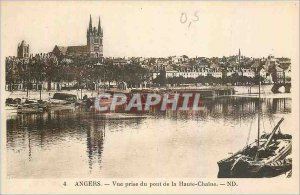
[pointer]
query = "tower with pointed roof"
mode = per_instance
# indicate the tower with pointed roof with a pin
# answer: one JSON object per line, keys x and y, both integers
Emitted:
{"x": 95, "y": 39}
{"x": 23, "y": 50}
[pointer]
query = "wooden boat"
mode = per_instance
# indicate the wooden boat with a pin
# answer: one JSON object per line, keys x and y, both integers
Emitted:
{"x": 63, "y": 98}
{"x": 29, "y": 109}
{"x": 62, "y": 101}
{"x": 266, "y": 157}
{"x": 31, "y": 106}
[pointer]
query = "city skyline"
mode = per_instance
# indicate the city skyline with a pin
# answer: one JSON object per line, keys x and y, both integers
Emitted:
{"x": 164, "y": 35}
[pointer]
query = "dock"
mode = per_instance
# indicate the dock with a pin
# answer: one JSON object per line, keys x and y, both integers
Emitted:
{"x": 208, "y": 91}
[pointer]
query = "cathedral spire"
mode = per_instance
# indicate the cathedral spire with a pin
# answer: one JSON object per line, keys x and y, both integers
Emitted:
{"x": 99, "y": 26}
{"x": 90, "y": 25}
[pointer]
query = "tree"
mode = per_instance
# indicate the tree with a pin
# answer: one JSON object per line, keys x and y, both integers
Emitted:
{"x": 161, "y": 78}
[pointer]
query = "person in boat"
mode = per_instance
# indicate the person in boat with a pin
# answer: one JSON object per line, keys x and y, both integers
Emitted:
{"x": 89, "y": 103}
{"x": 259, "y": 152}
{"x": 49, "y": 97}
{"x": 250, "y": 151}
{"x": 85, "y": 97}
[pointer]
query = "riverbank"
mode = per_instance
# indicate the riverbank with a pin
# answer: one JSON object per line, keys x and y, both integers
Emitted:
{"x": 45, "y": 95}
{"x": 241, "y": 91}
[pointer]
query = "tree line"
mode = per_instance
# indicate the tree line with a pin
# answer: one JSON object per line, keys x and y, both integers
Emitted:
{"x": 84, "y": 71}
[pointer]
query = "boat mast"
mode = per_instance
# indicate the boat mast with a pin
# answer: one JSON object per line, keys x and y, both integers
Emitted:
{"x": 28, "y": 80}
{"x": 258, "y": 118}
{"x": 272, "y": 134}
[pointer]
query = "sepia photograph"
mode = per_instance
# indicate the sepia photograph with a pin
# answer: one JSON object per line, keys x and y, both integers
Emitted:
{"x": 139, "y": 97}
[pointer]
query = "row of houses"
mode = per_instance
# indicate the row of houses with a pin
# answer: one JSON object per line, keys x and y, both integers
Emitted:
{"x": 280, "y": 73}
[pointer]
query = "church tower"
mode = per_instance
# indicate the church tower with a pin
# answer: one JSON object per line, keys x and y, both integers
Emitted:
{"x": 95, "y": 40}
{"x": 23, "y": 50}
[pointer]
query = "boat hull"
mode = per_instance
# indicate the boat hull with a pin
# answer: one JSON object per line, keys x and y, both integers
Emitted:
{"x": 229, "y": 168}
{"x": 246, "y": 170}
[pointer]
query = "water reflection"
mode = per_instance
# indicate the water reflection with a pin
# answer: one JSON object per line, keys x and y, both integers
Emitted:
{"x": 230, "y": 108}
{"x": 95, "y": 138}
{"x": 81, "y": 141}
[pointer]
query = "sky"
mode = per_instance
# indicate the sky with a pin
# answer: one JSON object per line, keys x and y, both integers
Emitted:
{"x": 155, "y": 29}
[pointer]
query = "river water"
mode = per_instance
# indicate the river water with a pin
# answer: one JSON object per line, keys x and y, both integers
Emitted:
{"x": 166, "y": 144}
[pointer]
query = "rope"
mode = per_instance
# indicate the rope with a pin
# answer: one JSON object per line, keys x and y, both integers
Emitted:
{"x": 262, "y": 114}
{"x": 272, "y": 122}
{"x": 247, "y": 142}
{"x": 263, "y": 123}
{"x": 279, "y": 131}
{"x": 10, "y": 93}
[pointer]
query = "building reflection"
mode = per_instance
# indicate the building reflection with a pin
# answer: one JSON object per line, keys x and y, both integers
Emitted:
{"x": 229, "y": 109}
{"x": 94, "y": 140}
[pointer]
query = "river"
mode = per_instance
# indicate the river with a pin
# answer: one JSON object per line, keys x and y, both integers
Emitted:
{"x": 166, "y": 144}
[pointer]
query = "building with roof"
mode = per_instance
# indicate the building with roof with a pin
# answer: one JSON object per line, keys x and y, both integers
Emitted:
{"x": 93, "y": 48}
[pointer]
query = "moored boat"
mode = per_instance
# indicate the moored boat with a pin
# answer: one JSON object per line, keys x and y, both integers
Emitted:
{"x": 265, "y": 160}
{"x": 29, "y": 109}
{"x": 266, "y": 157}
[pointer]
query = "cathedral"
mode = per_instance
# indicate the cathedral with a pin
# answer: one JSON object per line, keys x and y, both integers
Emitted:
{"x": 93, "y": 48}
